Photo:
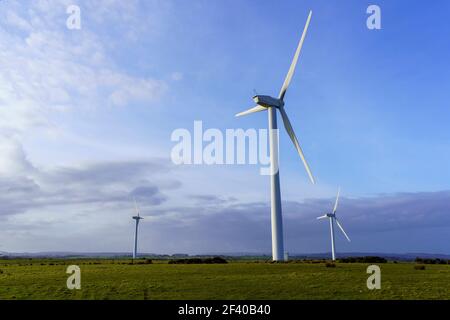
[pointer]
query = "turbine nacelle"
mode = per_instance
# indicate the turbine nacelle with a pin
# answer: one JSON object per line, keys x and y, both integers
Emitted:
{"x": 268, "y": 101}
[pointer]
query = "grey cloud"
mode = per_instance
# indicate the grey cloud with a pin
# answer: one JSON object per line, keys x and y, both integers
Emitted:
{"x": 107, "y": 172}
{"x": 209, "y": 222}
{"x": 109, "y": 182}
{"x": 15, "y": 194}
{"x": 148, "y": 194}
{"x": 210, "y": 199}
{"x": 383, "y": 212}
{"x": 399, "y": 222}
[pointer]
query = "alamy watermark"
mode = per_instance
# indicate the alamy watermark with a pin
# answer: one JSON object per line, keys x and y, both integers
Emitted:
{"x": 374, "y": 20}
{"x": 73, "y": 22}
{"x": 234, "y": 146}
{"x": 374, "y": 280}
{"x": 74, "y": 280}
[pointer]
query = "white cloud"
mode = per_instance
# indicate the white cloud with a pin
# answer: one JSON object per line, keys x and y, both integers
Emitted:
{"x": 177, "y": 76}
{"x": 15, "y": 21}
{"x": 13, "y": 161}
{"x": 50, "y": 69}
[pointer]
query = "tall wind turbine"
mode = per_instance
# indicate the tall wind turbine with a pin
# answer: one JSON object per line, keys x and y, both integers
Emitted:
{"x": 332, "y": 217}
{"x": 271, "y": 104}
{"x": 137, "y": 217}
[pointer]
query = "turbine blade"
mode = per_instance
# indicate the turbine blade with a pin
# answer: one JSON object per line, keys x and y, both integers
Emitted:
{"x": 337, "y": 200}
{"x": 258, "y": 108}
{"x": 135, "y": 206}
{"x": 342, "y": 229}
{"x": 291, "y": 71}
{"x": 291, "y": 133}
{"x": 322, "y": 217}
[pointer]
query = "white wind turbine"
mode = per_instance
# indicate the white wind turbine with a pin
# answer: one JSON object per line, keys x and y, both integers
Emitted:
{"x": 137, "y": 217}
{"x": 332, "y": 217}
{"x": 271, "y": 104}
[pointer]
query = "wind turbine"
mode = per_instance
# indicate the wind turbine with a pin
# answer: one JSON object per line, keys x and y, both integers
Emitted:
{"x": 271, "y": 104}
{"x": 332, "y": 217}
{"x": 137, "y": 217}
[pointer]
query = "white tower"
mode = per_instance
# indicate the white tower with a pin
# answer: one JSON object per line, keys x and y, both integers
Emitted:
{"x": 137, "y": 218}
{"x": 333, "y": 218}
{"x": 271, "y": 105}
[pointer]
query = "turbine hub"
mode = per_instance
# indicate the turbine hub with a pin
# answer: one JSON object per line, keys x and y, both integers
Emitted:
{"x": 268, "y": 101}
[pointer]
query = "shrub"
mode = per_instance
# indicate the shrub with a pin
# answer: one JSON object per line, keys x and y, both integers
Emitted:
{"x": 419, "y": 267}
{"x": 367, "y": 259}
{"x": 215, "y": 260}
{"x": 146, "y": 261}
{"x": 330, "y": 265}
{"x": 316, "y": 261}
{"x": 431, "y": 261}
{"x": 218, "y": 260}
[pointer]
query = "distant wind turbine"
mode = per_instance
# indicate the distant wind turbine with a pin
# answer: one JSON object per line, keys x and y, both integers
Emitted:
{"x": 332, "y": 217}
{"x": 271, "y": 104}
{"x": 137, "y": 217}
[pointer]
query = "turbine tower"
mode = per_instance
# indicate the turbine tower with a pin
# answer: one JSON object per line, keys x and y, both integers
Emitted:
{"x": 272, "y": 104}
{"x": 333, "y": 218}
{"x": 137, "y": 217}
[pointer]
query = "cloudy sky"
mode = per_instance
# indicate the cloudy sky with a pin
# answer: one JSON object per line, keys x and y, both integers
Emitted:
{"x": 86, "y": 118}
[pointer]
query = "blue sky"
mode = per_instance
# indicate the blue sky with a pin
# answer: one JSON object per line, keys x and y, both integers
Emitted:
{"x": 86, "y": 118}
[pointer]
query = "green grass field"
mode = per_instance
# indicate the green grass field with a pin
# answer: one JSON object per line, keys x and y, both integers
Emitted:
{"x": 117, "y": 279}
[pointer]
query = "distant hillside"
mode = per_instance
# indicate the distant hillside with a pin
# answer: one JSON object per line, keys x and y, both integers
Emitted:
{"x": 237, "y": 255}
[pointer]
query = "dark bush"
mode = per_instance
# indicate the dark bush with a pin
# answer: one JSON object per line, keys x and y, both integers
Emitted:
{"x": 218, "y": 260}
{"x": 215, "y": 260}
{"x": 431, "y": 261}
{"x": 419, "y": 267}
{"x": 330, "y": 265}
{"x": 316, "y": 261}
{"x": 367, "y": 259}
{"x": 146, "y": 261}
